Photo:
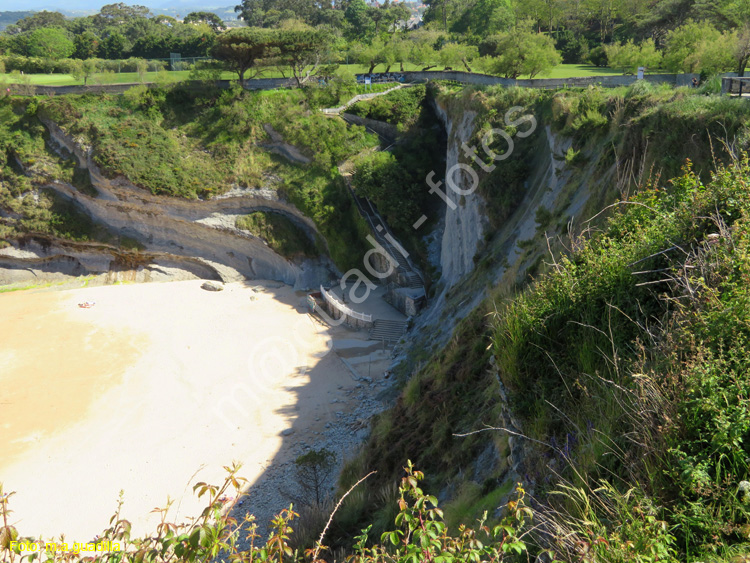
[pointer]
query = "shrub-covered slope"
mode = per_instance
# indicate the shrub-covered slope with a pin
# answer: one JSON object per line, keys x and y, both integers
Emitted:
{"x": 183, "y": 143}
{"x": 618, "y": 377}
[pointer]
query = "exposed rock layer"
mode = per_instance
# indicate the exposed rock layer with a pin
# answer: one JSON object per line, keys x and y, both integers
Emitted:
{"x": 199, "y": 230}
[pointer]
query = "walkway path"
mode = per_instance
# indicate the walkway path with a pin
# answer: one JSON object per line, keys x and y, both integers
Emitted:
{"x": 360, "y": 97}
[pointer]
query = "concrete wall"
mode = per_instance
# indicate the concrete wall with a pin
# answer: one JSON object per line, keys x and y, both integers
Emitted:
{"x": 385, "y": 130}
{"x": 734, "y": 85}
{"x": 336, "y": 314}
{"x": 609, "y": 81}
{"x": 31, "y": 90}
{"x": 261, "y": 83}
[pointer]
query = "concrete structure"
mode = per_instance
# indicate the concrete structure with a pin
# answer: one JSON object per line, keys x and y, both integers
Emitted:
{"x": 382, "y": 129}
{"x": 735, "y": 85}
{"x": 609, "y": 81}
{"x": 336, "y": 309}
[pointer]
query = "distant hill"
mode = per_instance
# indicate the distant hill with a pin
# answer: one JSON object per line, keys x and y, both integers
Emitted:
{"x": 8, "y": 18}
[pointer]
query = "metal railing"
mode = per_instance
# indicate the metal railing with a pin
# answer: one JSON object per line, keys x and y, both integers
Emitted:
{"x": 331, "y": 299}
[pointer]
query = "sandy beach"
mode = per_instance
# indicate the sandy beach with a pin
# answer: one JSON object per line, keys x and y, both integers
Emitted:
{"x": 154, "y": 388}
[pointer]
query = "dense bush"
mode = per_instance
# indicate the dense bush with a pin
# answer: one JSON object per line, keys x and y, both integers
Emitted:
{"x": 381, "y": 178}
{"x": 402, "y": 107}
{"x": 38, "y": 65}
{"x": 650, "y": 318}
{"x": 280, "y": 233}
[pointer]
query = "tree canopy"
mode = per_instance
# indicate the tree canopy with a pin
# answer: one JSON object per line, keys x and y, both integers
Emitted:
{"x": 513, "y": 38}
{"x": 51, "y": 43}
{"x": 243, "y": 48}
{"x": 522, "y": 51}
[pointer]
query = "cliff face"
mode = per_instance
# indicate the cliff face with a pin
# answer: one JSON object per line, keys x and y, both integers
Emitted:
{"x": 464, "y": 225}
{"x": 481, "y": 262}
{"x": 472, "y": 255}
{"x": 202, "y": 230}
{"x": 37, "y": 259}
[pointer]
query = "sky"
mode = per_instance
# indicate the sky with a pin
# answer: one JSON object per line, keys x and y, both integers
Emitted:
{"x": 94, "y": 5}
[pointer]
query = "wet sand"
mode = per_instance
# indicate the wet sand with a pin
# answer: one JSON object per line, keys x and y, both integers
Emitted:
{"x": 154, "y": 388}
{"x": 49, "y": 376}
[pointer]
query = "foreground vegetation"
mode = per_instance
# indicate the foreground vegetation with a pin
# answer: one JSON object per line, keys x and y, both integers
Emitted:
{"x": 627, "y": 366}
{"x": 419, "y": 534}
{"x": 601, "y": 383}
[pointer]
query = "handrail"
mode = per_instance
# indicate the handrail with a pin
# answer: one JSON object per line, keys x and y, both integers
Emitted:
{"x": 331, "y": 299}
{"x": 380, "y": 235}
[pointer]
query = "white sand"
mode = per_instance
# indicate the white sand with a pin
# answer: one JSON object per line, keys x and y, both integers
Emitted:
{"x": 156, "y": 387}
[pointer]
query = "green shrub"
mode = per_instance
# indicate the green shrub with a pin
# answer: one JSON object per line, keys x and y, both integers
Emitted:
{"x": 602, "y": 329}
{"x": 402, "y": 107}
{"x": 420, "y": 532}
{"x": 280, "y": 233}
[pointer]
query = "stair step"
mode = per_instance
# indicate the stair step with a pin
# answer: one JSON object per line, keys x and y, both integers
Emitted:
{"x": 387, "y": 330}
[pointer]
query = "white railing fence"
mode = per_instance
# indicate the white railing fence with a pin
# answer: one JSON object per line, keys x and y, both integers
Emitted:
{"x": 331, "y": 299}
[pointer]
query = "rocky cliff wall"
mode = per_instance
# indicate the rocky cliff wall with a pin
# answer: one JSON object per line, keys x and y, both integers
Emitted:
{"x": 42, "y": 259}
{"x": 191, "y": 228}
{"x": 464, "y": 222}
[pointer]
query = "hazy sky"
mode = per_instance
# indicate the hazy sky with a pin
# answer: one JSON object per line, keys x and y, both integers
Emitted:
{"x": 94, "y": 5}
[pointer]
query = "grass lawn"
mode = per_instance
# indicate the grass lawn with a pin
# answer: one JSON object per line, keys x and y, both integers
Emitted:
{"x": 103, "y": 78}
{"x": 560, "y": 71}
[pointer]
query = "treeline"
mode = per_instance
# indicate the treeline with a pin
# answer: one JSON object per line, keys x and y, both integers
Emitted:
{"x": 510, "y": 38}
{"x": 513, "y": 37}
{"x": 118, "y": 31}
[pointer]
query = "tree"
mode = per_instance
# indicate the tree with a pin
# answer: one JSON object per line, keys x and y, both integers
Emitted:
{"x": 380, "y": 51}
{"x": 83, "y": 70}
{"x": 193, "y": 40}
{"x": 628, "y": 56}
{"x": 251, "y": 12}
{"x": 484, "y": 17}
{"x": 605, "y": 13}
{"x": 359, "y": 18}
{"x": 453, "y": 54}
{"x": 41, "y": 19}
{"x": 269, "y": 13}
{"x": 242, "y": 49}
{"x": 663, "y": 17}
{"x": 400, "y": 48}
{"x": 395, "y": 13}
{"x": 114, "y": 47}
{"x": 742, "y": 49}
{"x": 205, "y": 17}
{"x": 696, "y": 47}
{"x": 119, "y": 14}
{"x": 301, "y": 48}
{"x": 522, "y": 51}
{"x": 314, "y": 469}
{"x": 50, "y": 43}
{"x": 86, "y": 45}
{"x": 421, "y": 50}
{"x": 442, "y": 12}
